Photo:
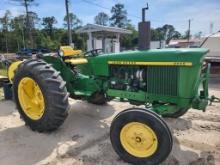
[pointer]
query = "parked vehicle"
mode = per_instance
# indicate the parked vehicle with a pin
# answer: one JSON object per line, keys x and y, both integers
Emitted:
{"x": 43, "y": 50}
{"x": 29, "y": 52}
{"x": 167, "y": 81}
{"x": 25, "y": 52}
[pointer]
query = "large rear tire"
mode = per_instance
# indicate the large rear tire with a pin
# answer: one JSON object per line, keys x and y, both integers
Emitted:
{"x": 141, "y": 137}
{"x": 40, "y": 95}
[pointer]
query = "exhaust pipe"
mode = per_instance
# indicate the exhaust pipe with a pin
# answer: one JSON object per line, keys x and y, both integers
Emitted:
{"x": 144, "y": 32}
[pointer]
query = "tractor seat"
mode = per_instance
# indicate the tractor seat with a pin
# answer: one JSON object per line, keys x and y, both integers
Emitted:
{"x": 76, "y": 61}
{"x": 71, "y": 56}
{"x": 68, "y": 51}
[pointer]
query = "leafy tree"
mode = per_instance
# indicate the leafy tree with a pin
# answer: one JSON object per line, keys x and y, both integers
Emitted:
{"x": 167, "y": 33}
{"x": 102, "y": 19}
{"x": 45, "y": 41}
{"x": 75, "y": 22}
{"x": 186, "y": 35}
{"x": 18, "y": 27}
{"x": 130, "y": 41}
{"x": 119, "y": 16}
{"x": 79, "y": 41}
{"x": 198, "y": 35}
{"x": 34, "y": 20}
{"x": 6, "y": 22}
{"x": 12, "y": 32}
{"x": 27, "y": 4}
{"x": 48, "y": 23}
{"x": 170, "y": 33}
{"x": 34, "y": 23}
{"x": 157, "y": 34}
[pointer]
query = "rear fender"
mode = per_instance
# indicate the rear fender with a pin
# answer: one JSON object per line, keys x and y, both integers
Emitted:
{"x": 66, "y": 73}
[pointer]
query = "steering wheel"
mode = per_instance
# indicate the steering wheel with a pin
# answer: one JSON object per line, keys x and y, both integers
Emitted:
{"x": 93, "y": 53}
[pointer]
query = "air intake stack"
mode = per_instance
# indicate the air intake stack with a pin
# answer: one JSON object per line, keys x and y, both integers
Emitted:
{"x": 144, "y": 32}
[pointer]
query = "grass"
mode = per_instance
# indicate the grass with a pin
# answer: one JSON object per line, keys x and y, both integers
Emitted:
{"x": 3, "y": 72}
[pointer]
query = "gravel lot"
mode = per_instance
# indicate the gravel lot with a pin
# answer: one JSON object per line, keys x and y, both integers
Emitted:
{"x": 84, "y": 137}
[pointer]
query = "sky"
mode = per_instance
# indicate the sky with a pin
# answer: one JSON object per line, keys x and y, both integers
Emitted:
{"x": 202, "y": 13}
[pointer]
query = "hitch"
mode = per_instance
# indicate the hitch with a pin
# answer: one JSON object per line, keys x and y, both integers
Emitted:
{"x": 214, "y": 99}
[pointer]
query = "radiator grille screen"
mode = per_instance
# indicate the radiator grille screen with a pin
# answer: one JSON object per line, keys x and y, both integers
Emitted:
{"x": 162, "y": 80}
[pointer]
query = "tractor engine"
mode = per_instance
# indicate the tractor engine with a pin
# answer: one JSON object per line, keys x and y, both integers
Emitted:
{"x": 156, "y": 80}
{"x": 129, "y": 78}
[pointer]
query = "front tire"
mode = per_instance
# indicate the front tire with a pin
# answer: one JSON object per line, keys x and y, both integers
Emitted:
{"x": 40, "y": 95}
{"x": 141, "y": 137}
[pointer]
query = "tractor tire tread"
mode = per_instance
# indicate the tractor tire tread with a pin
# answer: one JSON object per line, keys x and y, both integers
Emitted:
{"x": 56, "y": 98}
{"x": 153, "y": 120}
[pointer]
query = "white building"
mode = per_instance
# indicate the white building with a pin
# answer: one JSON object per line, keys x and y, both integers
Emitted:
{"x": 212, "y": 42}
{"x": 103, "y": 37}
{"x": 157, "y": 44}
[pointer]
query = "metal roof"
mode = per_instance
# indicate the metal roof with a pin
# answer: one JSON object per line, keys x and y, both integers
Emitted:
{"x": 212, "y": 42}
{"x": 99, "y": 28}
{"x": 217, "y": 34}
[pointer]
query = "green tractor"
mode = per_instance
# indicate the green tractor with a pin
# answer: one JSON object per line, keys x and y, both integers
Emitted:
{"x": 168, "y": 82}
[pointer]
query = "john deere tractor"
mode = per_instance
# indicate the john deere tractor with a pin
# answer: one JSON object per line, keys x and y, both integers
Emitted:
{"x": 168, "y": 82}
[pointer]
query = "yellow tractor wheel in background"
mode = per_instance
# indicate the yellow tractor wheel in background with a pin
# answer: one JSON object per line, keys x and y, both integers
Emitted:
{"x": 140, "y": 136}
{"x": 12, "y": 68}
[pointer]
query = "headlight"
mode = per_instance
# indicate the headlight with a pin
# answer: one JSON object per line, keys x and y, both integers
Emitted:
{"x": 61, "y": 53}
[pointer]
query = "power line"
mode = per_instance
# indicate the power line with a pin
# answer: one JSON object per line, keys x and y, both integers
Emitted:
{"x": 106, "y": 8}
{"x": 95, "y": 4}
{"x": 131, "y": 15}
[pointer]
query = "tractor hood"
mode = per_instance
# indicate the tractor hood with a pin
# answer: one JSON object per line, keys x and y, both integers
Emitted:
{"x": 192, "y": 55}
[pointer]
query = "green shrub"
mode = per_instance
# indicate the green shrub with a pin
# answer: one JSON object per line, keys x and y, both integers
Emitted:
{"x": 3, "y": 72}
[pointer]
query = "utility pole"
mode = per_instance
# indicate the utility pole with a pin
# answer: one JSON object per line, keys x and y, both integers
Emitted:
{"x": 211, "y": 28}
{"x": 189, "y": 32}
{"x": 68, "y": 22}
{"x": 28, "y": 24}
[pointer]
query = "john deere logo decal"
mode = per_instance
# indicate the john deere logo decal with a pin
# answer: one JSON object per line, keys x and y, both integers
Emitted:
{"x": 150, "y": 63}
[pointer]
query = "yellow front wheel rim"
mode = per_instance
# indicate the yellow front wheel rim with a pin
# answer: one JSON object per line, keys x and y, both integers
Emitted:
{"x": 138, "y": 139}
{"x": 31, "y": 98}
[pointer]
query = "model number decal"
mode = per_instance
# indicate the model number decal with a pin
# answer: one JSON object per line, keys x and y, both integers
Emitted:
{"x": 150, "y": 63}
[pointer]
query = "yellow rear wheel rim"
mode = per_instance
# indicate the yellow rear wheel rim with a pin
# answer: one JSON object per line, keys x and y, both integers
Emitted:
{"x": 12, "y": 68}
{"x": 138, "y": 139}
{"x": 31, "y": 98}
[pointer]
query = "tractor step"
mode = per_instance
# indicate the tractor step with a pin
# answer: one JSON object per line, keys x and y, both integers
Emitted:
{"x": 83, "y": 93}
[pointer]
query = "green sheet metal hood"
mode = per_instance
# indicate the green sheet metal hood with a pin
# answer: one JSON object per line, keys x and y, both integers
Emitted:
{"x": 194, "y": 55}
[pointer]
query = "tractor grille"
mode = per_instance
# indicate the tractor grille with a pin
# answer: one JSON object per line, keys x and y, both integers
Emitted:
{"x": 162, "y": 80}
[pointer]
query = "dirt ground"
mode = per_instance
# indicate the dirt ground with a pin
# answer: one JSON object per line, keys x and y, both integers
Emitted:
{"x": 84, "y": 137}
